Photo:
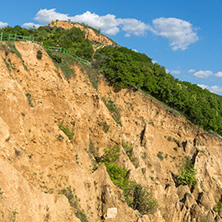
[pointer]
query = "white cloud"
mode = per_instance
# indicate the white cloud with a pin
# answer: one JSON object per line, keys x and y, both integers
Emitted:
{"x": 2, "y": 24}
{"x": 45, "y": 16}
{"x": 191, "y": 70}
{"x": 175, "y": 71}
{"x": 218, "y": 74}
{"x": 108, "y": 24}
{"x": 213, "y": 89}
{"x": 203, "y": 74}
{"x": 133, "y": 26}
{"x": 30, "y": 25}
{"x": 180, "y": 33}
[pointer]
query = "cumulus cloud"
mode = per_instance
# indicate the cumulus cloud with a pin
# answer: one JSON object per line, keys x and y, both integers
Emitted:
{"x": 2, "y": 24}
{"x": 180, "y": 33}
{"x": 45, "y": 16}
{"x": 191, "y": 70}
{"x": 203, "y": 74}
{"x": 108, "y": 24}
{"x": 218, "y": 74}
{"x": 213, "y": 89}
{"x": 133, "y": 26}
{"x": 30, "y": 25}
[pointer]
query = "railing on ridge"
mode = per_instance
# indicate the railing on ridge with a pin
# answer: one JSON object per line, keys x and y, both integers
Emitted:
{"x": 63, "y": 50}
{"x": 15, "y": 37}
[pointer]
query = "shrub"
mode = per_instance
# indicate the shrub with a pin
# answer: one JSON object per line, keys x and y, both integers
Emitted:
{"x": 187, "y": 174}
{"x": 105, "y": 127}
{"x": 39, "y": 55}
{"x": 160, "y": 155}
{"x": 218, "y": 207}
{"x": 66, "y": 130}
{"x": 111, "y": 155}
{"x": 129, "y": 151}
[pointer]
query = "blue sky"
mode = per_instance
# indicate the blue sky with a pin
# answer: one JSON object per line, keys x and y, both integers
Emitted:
{"x": 183, "y": 36}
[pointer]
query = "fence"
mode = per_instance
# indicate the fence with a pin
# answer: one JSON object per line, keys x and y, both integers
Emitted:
{"x": 15, "y": 37}
{"x": 63, "y": 50}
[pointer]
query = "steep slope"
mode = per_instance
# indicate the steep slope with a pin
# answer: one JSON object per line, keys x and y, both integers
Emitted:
{"x": 51, "y": 129}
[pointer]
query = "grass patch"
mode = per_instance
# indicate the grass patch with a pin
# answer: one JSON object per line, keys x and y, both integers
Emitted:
{"x": 64, "y": 62}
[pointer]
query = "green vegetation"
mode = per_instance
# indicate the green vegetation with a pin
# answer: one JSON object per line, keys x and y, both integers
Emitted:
{"x": 64, "y": 62}
{"x": 39, "y": 55}
{"x": 105, "y": 127}
{"x": 125, "y": 68}
{"x": 160, "y": 155}
{"x": 136, "y": 196}
{"x": 111, "y": 106}
{"x": 29, "y": 97}
{"x": 129, "y": 151}
{"x": 72, "y": 40}
{"x": 218, "y": 207}
{"x": 74, "y": 202}
{"x": 66, "y": 130}
{"x": 187, "y": 174}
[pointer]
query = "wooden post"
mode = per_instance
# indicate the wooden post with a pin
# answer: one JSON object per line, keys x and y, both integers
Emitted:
{"x": 15, "y": 37}
{"x": 1, "y": 36}
{"x": 9, "y": 36}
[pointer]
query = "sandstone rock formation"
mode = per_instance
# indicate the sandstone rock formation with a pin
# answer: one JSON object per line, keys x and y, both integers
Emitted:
{"x": 46, "y": 176}
{"x": 90, "y": 33}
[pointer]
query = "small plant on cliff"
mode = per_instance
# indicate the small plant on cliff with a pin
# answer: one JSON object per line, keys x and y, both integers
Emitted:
{"x": 39, "y": 55}
{"x": 66, "y": 130}
{"x": 187, "y": 174}
{"x": 218, "y": 207}
{"x": 113, "y": 109}
{"x": 129, "y": 151}
{"x": 28, "y": 95}
{"x": 105, "y": 127}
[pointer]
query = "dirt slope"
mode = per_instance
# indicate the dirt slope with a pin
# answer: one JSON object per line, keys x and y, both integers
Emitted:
{"x": 45, "y": 176}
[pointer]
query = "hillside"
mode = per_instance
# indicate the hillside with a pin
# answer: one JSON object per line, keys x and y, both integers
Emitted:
{"x": 73, "y": 152}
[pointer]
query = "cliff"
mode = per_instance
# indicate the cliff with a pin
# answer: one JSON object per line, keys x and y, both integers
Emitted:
{"x": 52, "y": 129}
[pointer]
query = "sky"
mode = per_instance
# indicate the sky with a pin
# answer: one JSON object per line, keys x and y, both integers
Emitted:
{"x": 183, "y": 36}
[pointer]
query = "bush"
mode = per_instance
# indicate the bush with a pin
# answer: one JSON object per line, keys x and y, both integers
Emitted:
{"x": 136, "y": 195}
{"x": 39, "y": 55}
{"x": 187, "y": 174}
{"x": 66, "y": 130}
{"x": 218, "y": 208}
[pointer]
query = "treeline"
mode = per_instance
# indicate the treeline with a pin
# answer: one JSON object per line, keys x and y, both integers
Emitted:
{"x": 124, "y": 67}
{"x": 72, "y": 40}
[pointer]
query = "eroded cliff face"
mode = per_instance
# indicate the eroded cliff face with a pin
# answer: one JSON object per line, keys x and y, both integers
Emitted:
{"x": 47, "y": 176}
{"x": 90, "y": 33}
